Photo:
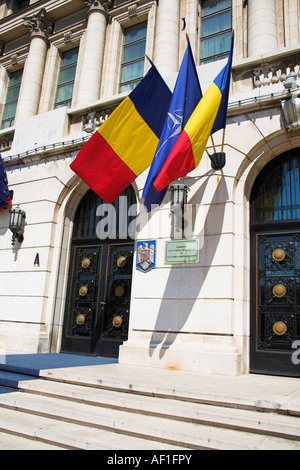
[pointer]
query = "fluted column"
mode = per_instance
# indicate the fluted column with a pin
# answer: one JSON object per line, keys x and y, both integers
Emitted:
{"x": 92, "y": 56}
{"x": 166, "y": 53}
{"x": 262, "y": 27}
{"x": 40, "y": 26}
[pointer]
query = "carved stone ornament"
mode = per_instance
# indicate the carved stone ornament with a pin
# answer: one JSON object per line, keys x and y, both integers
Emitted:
{"x": 291, "y": 110}
{"x": 39, "y": 25}
{"x": 98, "y": 5}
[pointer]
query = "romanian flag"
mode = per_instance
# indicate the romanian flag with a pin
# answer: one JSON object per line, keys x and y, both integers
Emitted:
{"x": 187, "y": 94}
{"x": 124, "y": 146}
{"x": 5, "y": 194}
{"x": 189, "y": 148}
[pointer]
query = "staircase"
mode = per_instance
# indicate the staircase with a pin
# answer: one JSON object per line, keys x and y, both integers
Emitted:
{"x": 56, "y": 410}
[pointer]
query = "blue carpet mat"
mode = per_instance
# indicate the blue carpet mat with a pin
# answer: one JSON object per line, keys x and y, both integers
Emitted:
{"x": 31, "y": 364}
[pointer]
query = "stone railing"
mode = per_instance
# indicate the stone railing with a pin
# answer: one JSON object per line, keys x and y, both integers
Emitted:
{"x": 275, "y": 73}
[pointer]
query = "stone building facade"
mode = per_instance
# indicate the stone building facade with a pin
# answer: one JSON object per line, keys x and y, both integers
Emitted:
{"x": 232, "y": 309}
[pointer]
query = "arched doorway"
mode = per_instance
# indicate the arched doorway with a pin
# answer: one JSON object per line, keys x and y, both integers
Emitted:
{"x": 98, "y": 295}
{"x": 275, "y": 268}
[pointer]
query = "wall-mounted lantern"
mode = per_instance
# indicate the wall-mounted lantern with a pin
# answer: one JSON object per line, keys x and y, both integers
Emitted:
{"x": 16, "y": 220}
{"x": 178, "y": 196}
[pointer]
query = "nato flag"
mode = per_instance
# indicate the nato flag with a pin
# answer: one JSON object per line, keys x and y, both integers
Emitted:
{"x": 187, "y": 94}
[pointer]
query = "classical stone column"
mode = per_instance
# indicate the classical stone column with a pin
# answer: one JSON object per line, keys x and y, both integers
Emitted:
{"x": 262, "y": 27}
{"x": 92, "y": 56}
{"x": 40, "y": 26}
{"x": 166, "y": 52}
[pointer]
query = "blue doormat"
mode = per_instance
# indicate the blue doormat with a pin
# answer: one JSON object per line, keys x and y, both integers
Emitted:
{"x": 31, "y": 364}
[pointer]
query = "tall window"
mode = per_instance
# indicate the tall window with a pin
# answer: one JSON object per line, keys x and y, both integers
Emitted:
{"x": 216, "y": 30}
{"x": 66, "y": 78}
{"x": 133, "y": 56}
{"x": 14, "y": 86}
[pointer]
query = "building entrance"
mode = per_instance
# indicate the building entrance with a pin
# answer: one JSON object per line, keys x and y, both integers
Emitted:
{"x": 98, "y": 298}
{"x": 275, "y": 268}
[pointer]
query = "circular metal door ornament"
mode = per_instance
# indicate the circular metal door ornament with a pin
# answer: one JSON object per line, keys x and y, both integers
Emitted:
{"x": 119, "y": 291}
{"x": 121, "y": 261}
{"x": 85, "y": 263}
{"x": 279, "y": 328}
{"x": 80, "y": 319}
{"x": 279, "y": 290}
{"x": 117, "y": 321}
{"x": 83, "y": 290}
{"x": 278, "y": 254}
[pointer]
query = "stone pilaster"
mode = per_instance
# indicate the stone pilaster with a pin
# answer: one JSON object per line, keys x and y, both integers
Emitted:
{"x": 93, "y": 51}
{"x": 40, "y": 27}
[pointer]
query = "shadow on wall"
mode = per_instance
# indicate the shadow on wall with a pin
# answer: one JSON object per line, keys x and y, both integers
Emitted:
{"x": 162, "y": 337}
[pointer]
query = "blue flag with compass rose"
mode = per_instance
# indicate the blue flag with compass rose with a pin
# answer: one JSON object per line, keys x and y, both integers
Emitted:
{"x": 187, "y": 94}
{"x": 5, "y": 194}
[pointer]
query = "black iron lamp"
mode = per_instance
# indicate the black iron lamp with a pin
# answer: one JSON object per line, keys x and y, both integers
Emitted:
{"x": 178, "y": 196}
{"x": 16, "y": 219}
{"x": 218, "y": 160}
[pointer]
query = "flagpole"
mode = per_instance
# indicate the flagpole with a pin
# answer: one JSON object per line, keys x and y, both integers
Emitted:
{"x": 147, "y": 57}
{"x": 223, "y": 139}
{"x": 184, "y": 105}
{"x": 213, "y": 142}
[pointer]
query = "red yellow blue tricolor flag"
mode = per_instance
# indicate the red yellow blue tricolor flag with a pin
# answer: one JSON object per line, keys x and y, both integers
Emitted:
{"x": 5, "y": 194}
{"x": 189, "y": 148}
{"x": 124, "y": 146}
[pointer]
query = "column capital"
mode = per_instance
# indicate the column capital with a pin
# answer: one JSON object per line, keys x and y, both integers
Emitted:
{"x": 100, "y": 6}
{"x": 39, "y": 25}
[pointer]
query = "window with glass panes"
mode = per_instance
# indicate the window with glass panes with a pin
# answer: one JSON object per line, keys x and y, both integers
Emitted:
{"x": 216, "y": 30}
{"x": 134, "y": 49}
{"x": 66, "y": 78}
{"x": 13, "y": 92}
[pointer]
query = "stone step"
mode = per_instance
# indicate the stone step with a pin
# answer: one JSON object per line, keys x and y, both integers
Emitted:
{"x": 15, "y": 442}
{"x": 259, "y": 393}
{"x": 274, "y": 424}
{"x": 120, "y": 407}
{"x": 64, "y": 432}
{"x": 151, "y": 430}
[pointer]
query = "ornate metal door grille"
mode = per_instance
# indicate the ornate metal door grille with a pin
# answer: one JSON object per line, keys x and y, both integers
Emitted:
{"x": 275, "y": 267}
{"x": 278, "y": 308}
{"x": 83, "y": 302}
{"x": 98, "y": 296}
